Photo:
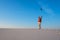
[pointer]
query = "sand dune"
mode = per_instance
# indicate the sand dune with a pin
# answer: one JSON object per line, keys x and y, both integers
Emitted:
{"x": 29, "y": 34}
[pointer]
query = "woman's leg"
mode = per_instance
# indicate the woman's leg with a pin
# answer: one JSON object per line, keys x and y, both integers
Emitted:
{"x": 39, "y": 25}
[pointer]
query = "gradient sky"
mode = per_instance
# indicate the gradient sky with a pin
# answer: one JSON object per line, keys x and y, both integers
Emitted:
{"x": 24, "y": 13}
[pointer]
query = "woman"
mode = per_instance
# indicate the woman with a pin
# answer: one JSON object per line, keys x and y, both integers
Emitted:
{"x": 39, "y": 21}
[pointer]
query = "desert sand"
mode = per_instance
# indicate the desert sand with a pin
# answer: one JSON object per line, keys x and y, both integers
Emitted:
{"x": 29, "y": 34}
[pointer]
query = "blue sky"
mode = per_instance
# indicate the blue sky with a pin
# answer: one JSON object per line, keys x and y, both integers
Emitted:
{"x": 24, "y": 13}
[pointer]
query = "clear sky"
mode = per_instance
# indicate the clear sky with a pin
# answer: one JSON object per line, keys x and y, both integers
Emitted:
{"x": 24, "y": 13}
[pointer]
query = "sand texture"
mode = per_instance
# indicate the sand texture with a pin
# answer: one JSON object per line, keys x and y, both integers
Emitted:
{"x": 29, "y": 34}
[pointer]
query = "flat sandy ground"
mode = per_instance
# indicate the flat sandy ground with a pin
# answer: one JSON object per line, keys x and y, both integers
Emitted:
{"x": 29, "y": 34}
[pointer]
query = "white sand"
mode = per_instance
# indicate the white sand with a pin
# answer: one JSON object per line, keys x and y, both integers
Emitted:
{"x": 29, "y": 34}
